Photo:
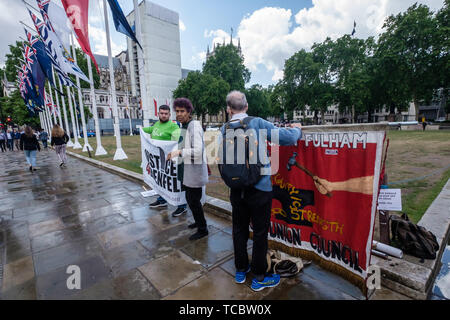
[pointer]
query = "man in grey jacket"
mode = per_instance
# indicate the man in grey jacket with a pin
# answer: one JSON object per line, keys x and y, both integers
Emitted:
{"x": 193, "y": 171}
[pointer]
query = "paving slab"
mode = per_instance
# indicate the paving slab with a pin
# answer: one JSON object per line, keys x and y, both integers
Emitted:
{"x": 171, "y": 272}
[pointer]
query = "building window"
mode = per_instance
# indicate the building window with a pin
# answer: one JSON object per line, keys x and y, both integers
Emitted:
{"x": 100, "y": 113}
{"x": 102, "y": 99}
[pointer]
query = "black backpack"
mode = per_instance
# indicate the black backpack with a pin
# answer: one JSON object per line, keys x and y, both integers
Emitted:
{"x": 414, "y": 240}
{"x": 238, "y": 175}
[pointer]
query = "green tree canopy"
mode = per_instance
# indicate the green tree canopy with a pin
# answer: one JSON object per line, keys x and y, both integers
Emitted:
{"x": 206, "y": 92}
{"x": 258, "y": 100}
{"x": 228, "y": 63}
{"x": 407, "y": 51}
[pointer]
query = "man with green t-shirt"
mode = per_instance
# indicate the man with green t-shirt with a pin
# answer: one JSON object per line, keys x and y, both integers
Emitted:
{"x": 165, "y": 129}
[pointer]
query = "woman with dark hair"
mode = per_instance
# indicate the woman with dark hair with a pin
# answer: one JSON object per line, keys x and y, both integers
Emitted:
{"x": 192, "y": 172}
{"x": 29, "y": 144}
{"x": 59, "y": 139}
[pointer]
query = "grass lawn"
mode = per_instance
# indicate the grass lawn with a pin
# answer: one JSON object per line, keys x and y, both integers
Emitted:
{"x": 411, "y": 155}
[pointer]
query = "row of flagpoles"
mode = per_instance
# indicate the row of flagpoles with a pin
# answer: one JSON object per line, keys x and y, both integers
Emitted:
{"x": 46, "y": 53}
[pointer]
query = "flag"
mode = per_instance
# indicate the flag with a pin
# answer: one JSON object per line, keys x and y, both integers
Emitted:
{"x": 54, "y": 13}
{"x": 41, "y": 55}
{"x": 156, "y": 108}
{"x": 120, "y": 22}
{"x": 58, "y": 51}
{"x": 354, "y": 28}
{"x": 77, "y": 12}
{"x": 52, "y": 49}
{"x": 38, "y": 77}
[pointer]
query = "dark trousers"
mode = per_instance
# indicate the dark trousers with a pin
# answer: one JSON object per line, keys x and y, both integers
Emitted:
{"x": 10, "y": 145}
{"x": 193, "y": 199}
{"x": 255, "y": 206}
{"x": 3, "y": 145}
{"x": 44, "y": 143}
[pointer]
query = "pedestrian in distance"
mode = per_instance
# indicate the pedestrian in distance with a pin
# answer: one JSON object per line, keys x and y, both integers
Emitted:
{"x": 43, "y": 136}
{"x": 424, "y": 124}
{"x": 3, "y": 141}
{"x": 253, "y": 202}
{"x": 164, "y": 129}
{"x": 17, "y": 139}
{"x": 30, "y": 144}
{"x": 192, "y": 170}
{"x": 59, "y": 139}
{"x": 9, "y": 137}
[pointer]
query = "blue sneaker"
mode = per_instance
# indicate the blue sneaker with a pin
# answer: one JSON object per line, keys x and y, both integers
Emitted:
{"x": 269, "y": 281}
{"x": 241, "y": 276}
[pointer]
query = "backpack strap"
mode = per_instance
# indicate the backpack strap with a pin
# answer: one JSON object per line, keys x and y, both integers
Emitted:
{"x": 243, "y": 122}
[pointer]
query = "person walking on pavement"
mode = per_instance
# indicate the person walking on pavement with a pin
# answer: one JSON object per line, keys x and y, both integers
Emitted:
{"x": 9, "y": 136}
{"x": 17, "y": 139}
{"x": 3, "y": 141}
{"x": 253, "y": 204}
{"x": 192, "y": 171}
{"x": 59, "y": 139}
{"x": 164, "y": 129}
{"x": 43, "y": 136}
{"x": 29, "y": 144}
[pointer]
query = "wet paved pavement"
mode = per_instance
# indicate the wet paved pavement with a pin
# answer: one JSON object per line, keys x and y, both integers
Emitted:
{"x": 84, "y": 216}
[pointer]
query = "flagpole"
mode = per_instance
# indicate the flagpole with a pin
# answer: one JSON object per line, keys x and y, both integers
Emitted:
{"x": 80, "y": 101}
{"x": 47, "y": 109}
{"x": 69, "y": 143}
{"x": 47, "y": 118}
{"x": 129, "y": 113}
{"x": 141, "y": 67}
{"x": 41, "y": 121}
{"x": 120, "y": 154}
{"x": 53, "y": 105}
{"x": 58, "y": 106}
{"x": 100, "y": 150}
{"x": 76, "y": 144}
{"x": 74, "y": 103}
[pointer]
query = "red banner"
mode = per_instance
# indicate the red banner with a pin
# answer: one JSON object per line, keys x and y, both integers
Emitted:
{"x": 324, "y": 200}
{"x": 77, "y": 12}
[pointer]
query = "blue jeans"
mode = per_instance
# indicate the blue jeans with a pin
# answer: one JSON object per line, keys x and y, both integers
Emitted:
{"x": 161, "y": 199}
{"x": 31, "y": 157}
{"x": 44, "y": 143}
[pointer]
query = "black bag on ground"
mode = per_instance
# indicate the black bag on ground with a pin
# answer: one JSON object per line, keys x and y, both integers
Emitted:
{"x": 239, "y": 174}
{"x": 414, "y": 240}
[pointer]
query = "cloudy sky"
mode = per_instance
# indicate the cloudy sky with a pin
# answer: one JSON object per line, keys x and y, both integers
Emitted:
{"x": 270, "y": 31}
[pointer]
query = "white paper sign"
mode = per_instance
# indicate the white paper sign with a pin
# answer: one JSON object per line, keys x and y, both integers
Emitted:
{"x": 390, "y": 199}
{"x": 149, "y": 193}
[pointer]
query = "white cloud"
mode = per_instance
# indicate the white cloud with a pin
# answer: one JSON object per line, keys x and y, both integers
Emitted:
{"x": 270, "y": 35}
{"x": 219, "y": 36}
{"x": 182, "y": 26}
{"x": 98, "y": 42}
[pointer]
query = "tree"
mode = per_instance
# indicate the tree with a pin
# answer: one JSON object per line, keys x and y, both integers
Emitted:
{"x": 206, "y": 92}
{"x": 258, "y": 101}
{"x": 228, "y": 63}
{"x": 346, "y": 61}
{"x": 442, "y": 52}
{"x": 82, "y": 63}
{"x": 15, "y": 108}
{"x": 277, "y": 98}
{"x": 12, "y": 61}
{"x": 408, "y": 53}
